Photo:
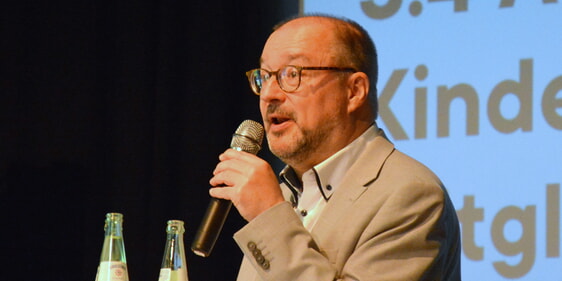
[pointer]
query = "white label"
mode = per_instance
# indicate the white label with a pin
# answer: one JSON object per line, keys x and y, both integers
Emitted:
{"x": 112, "y": 271}
{"x": 166, "y": 274}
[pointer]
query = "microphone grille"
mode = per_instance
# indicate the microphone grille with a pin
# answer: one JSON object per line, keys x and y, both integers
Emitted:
{"x": 248, "y": 137}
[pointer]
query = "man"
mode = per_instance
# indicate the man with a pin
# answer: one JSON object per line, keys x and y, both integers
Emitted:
{"x": 350, "y": 206}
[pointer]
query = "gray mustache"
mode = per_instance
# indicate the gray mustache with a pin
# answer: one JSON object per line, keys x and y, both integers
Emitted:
{"x": 275, "y": 108}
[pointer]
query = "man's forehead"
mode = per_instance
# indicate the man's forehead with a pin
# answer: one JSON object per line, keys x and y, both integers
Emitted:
{"x": 288, "y": 58}
{"x": 298, "y": 42}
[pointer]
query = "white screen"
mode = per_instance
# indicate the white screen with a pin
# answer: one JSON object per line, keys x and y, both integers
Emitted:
{"x": 501, "y": 160}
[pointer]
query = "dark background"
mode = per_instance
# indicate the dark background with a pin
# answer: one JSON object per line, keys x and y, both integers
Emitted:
{"x": 120, "y": 106}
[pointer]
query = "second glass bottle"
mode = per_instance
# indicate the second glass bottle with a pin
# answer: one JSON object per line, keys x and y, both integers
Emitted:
{"x": 174, "y": 264}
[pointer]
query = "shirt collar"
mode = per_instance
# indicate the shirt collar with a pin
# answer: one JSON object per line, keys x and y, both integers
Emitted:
{"x": 330, "y": 172}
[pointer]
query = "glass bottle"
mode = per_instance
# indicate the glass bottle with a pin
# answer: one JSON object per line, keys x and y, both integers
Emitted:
{"x": 174, "y": 264}
{"x": 113, "y": 262}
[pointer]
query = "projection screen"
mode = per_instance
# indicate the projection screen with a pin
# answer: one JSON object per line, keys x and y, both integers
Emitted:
{"x": 473, "y": 89}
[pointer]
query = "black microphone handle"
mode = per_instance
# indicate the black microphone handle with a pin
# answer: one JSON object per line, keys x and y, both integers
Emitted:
{"x": 211, "y": 226}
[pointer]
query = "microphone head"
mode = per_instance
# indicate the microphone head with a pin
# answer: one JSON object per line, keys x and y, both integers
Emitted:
{"x": 248, "y": 137}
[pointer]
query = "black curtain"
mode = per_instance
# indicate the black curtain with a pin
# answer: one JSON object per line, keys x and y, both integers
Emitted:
{"x": 120, "y": 106}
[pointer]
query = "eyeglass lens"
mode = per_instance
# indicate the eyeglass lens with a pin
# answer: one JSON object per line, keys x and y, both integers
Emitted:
{"x": 288, "y": 78}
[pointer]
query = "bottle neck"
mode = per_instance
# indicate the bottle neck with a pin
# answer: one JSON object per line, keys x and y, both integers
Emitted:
{"x": 113, "y": 245}
{"x": 114, "y": 228}
{"x": 174, "y": 253}
{"x": 114, "y": 224}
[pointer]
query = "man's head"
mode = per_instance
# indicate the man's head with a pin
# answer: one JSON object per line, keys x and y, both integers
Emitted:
{"x": 310, "y": 119}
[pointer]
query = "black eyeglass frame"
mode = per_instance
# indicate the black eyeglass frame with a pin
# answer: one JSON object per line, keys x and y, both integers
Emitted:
{"x": 257, "y": 89}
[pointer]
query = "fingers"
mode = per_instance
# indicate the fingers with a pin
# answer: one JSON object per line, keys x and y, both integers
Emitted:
{"x": 221, "y": 192}
{"x": 228, "y": 173}
{"x": 232, "y": 164}
{"x": 231, "y": 154}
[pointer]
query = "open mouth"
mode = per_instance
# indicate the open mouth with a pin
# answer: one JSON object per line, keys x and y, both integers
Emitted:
{"x": 278, "y": 120}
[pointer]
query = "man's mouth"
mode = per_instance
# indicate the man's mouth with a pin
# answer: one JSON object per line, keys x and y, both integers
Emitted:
{"x": 278, "y": 123}
{"x": 277, "y": 120}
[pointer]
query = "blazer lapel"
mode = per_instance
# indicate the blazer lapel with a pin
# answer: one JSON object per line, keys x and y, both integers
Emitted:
{"x": 362, "y": 173}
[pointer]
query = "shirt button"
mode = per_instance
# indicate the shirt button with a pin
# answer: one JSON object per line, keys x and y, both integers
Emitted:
{"x": 304, "y": 213}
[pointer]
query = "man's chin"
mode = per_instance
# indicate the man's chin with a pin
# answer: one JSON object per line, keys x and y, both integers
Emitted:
{"x": 279, "y": 138}
{"x": 281, "y": 150}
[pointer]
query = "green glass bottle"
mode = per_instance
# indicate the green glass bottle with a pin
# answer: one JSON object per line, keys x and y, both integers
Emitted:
{"x": 174, "y": 264}
{"x": 113, "y": 262}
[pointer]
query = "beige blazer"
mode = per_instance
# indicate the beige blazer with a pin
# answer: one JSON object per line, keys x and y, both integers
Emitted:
{"x": 391, "y": 219}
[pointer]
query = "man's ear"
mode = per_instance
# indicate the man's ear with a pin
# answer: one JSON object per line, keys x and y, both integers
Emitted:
{"x": 358, "y": 85}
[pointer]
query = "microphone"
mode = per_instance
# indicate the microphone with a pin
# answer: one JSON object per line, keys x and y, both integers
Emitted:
{"x": 248, "y": 137}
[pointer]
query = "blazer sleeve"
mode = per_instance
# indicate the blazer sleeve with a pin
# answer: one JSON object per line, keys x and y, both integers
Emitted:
{"x": 281, "y": 248}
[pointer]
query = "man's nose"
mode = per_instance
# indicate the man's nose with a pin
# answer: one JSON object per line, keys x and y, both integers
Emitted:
{"x": 272, "y": 91}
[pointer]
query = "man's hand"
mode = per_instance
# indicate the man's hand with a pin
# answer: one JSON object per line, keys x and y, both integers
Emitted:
{"x": 246, "y": 180}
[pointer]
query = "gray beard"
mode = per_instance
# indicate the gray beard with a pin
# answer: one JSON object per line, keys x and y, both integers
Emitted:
{"x": 303, "y": 147}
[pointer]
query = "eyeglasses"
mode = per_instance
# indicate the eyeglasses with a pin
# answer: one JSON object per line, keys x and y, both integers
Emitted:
{"x": 288, "y": 76}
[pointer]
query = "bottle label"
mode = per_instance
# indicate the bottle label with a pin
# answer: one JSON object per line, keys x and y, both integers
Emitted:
{"x": 164, "y": 274}
{"x": 167, "y": 274}
{"x": 112, "y": 271}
